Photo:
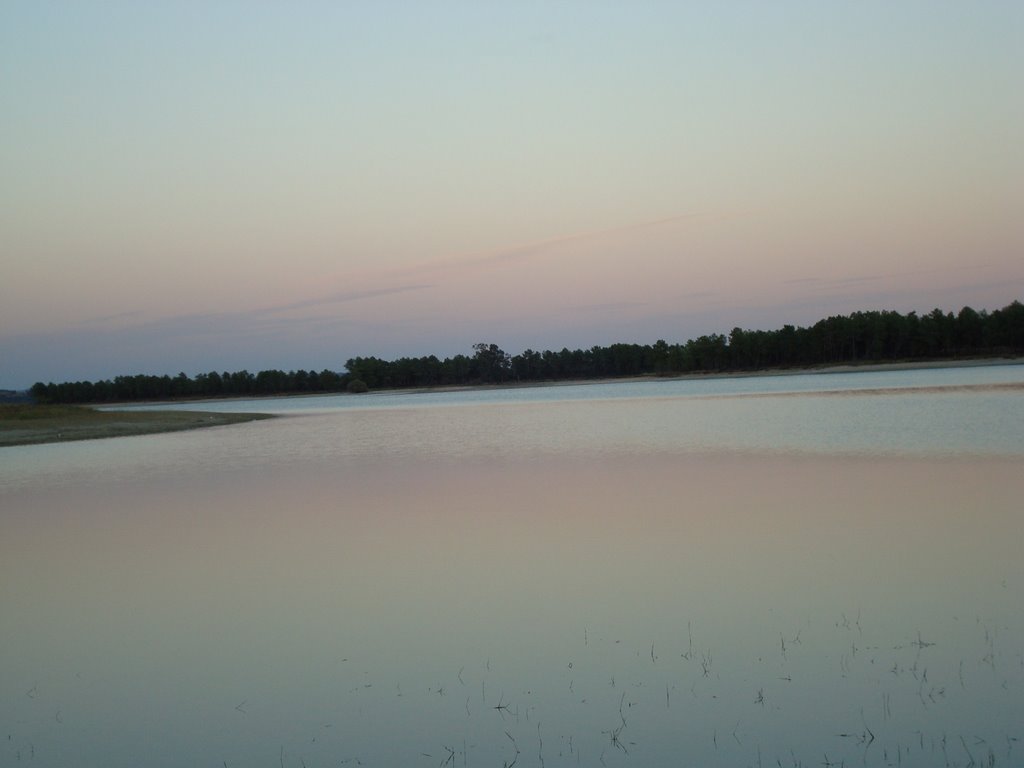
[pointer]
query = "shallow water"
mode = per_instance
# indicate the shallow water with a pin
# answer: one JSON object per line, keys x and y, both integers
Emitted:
{"x": 975, "y": 411}
{"x": 617, "y": 580}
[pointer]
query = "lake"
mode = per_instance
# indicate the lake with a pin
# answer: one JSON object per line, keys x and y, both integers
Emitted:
{"x": 822, "y": 569}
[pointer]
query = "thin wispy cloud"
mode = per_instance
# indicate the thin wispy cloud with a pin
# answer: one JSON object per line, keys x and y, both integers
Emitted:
{"x": 341, "y": 297}
{"x": 611, "y": 306}
{"x": 533, "y": 248}
{"x": 693, "y": 295}
{"x": 849, "y": 280}
{"x": 442, "y": 269}
{"x": 242, "y": 321}
{"x": 114, "y": 317}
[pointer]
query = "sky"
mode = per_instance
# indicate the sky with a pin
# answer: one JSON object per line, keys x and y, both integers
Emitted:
{"x": 195, "y": 186}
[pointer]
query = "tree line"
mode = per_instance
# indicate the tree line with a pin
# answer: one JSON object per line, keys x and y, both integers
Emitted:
{"x": 861, "y": 337}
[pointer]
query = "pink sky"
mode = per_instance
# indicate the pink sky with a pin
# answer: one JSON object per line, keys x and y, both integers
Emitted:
{"x": 217, "y": 188}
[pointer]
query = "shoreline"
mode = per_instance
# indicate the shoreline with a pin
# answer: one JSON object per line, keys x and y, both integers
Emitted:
{"x": 36, "y": 425}
{"x": 909, "y": 365}
{"x": 92, "y": 422}
{"x": 772, "y": 372}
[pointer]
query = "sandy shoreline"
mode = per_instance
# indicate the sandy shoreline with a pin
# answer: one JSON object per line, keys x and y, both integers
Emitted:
{"x": 86, "y": 423}
{"x": 66, "y": 424}
{"x": 865, "y": 368}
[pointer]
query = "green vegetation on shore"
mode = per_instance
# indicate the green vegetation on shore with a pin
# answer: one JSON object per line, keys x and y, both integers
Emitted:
{"x": 24, "y": 424}
{"x": 858, "y": 338}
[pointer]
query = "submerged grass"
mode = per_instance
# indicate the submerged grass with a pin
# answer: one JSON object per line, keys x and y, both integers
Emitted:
{"x": 28, "y": 423}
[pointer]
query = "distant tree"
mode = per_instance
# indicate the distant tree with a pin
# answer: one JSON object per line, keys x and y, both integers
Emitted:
{"x": 860, "y": 336}
{"x": 491, "y": 362}
{"x": 40, "y": 392}
{"x": 969, "y": 330}
{"x": 527, "y": 366}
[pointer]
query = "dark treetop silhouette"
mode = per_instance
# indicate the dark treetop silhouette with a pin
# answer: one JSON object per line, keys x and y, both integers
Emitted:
{"x": 861, "y": 337}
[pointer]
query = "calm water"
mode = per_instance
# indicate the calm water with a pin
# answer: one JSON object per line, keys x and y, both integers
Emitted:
{"x": 793, "y": 570}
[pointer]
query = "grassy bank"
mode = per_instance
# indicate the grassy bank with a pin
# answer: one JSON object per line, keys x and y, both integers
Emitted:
{"x": 24, "y": 424}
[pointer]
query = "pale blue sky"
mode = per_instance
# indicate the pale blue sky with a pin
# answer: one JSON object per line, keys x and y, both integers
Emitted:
{"x": 193, "y": 185}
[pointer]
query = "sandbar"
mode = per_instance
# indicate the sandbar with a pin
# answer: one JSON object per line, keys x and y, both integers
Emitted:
{"x": 32, "y": 424}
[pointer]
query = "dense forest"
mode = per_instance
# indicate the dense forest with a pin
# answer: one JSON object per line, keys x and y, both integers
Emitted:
{"x": 862, "y": 337}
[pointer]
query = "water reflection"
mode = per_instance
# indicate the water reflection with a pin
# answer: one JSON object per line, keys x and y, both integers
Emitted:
{"x": 950, "y": 412}
{"x": 715, "y": 580}
{"x": 417, "y": 609}
{"x": 925, "y": 424}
